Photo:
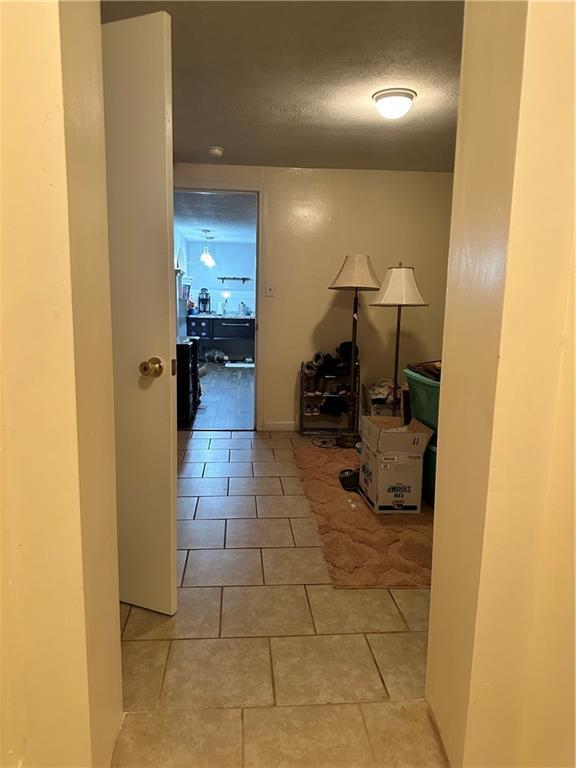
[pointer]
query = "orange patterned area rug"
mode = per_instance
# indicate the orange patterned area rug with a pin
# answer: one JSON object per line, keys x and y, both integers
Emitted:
{"x": 362, "y": 548}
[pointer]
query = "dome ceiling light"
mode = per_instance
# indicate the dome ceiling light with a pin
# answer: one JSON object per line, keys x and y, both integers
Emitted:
{"x": 393, "y": 103}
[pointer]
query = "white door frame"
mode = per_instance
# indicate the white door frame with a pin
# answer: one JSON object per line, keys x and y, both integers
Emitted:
{"x": 204, "y": 185}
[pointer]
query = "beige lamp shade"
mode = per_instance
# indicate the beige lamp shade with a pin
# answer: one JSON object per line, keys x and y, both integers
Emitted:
{"x": 399, "y": 289}
{"x": 356, "y": 274}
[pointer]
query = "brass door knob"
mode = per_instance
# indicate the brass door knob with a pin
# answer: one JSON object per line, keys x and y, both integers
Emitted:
{"x": 152, "y": 367}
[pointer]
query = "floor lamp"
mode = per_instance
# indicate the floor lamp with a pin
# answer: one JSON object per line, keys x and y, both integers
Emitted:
{"x": 356, "y": 274}
{"x": 398, "y": 290}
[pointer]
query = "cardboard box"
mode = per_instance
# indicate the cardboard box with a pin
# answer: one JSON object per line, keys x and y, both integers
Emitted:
{"x": 391, "y": 464}
{"x": 386, "y": 433}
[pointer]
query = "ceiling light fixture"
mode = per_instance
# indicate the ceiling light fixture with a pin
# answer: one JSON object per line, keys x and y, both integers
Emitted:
{"x": 206, "y": 257}
{"x": 393, "y": 103}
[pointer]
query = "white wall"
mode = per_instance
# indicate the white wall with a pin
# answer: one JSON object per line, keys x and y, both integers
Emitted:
{"x": 232, "y": 260}
{"x": 180, "y": 259}
{"x": 501, "y": 646}
{"x": 311, "y": 220}
{"x": 180, "y": 248}
{"x": 60, "y": 649}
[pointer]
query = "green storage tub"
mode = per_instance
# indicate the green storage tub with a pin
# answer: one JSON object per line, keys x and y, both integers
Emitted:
{"x": 424, "y": 398}
{"x": 429, "y": 477}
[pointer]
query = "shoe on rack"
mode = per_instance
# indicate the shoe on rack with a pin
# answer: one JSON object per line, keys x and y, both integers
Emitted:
{"x": 309, "y": 385}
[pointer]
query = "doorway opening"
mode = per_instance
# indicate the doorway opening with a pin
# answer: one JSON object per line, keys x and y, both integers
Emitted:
{"x": 215, "y": 253}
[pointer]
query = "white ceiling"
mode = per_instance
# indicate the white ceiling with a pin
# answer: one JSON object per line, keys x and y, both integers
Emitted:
{"x": 230, "y": 216}
{"x": 290, "y": 83}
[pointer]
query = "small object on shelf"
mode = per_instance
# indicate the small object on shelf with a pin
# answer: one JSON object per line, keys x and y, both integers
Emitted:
{"x": 243, "y": 279}
{"x": 204, "y": 301}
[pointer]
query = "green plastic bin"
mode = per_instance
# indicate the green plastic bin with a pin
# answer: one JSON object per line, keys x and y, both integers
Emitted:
{"x": 424, "y": 398}
{"x": 429, "y": 475}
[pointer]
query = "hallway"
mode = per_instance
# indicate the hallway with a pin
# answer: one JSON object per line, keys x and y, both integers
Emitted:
{"x": 265, "y": 665}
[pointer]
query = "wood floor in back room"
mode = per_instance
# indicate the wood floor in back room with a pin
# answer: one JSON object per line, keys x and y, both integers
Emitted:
{"x": 227, "y": 398}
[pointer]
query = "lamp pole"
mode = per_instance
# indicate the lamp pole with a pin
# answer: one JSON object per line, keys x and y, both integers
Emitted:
{"x": 396, "y": 356}
{"x": 353, "y": 410}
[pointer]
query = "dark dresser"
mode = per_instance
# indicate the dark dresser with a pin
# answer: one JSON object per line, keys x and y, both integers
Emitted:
{"x": 187, "y": 382}
{"x": 232, "y": 334}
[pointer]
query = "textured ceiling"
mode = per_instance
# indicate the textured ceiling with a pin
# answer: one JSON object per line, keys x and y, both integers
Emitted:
{"x": 230, "y": 216}
{"x": 290, "y": 83}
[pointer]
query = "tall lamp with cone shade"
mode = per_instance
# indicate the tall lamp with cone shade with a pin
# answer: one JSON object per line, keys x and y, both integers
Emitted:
{"x": 398, "y": 290}
{"x": 356, "y": 274}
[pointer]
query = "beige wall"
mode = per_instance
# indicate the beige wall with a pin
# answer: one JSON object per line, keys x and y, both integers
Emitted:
{"x": 500, "y": 667}
{"x": 61, "y": 696}
{"x": 311, "y": 220}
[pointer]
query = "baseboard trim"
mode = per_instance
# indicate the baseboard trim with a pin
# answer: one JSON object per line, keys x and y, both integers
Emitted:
{"x": 279, "y": 426}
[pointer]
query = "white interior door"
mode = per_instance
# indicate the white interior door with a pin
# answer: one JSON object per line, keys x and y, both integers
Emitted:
{"x": 138, "y": 105}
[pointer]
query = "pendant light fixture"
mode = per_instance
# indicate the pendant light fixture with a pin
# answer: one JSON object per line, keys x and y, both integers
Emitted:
{"x": 206, "y": 257}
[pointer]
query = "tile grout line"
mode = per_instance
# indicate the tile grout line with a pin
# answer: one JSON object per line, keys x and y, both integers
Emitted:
{"x": 123, "y": 629}
{"x": 272, "y": 672}
{"x": 164, "y": 671}
{"x": 184, "y": 569}
{"x": 292, "y": 531}
{"x": 367, "y": 732}
{"x": 380, "y": 675}
{"x": 242, "y": 737}
{"x": 262, "y": 567}
{"x": 221, "y": 610}
{"x": 256, "y": 637}
{"x": 398, "y": 609}
{"x": 310, "y": 609}
{"x": 229, "y": 707}
{"x": 301, "y": 584}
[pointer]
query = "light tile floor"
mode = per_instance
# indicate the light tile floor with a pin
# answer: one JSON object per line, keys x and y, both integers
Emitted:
{"x": 265, "y": 664}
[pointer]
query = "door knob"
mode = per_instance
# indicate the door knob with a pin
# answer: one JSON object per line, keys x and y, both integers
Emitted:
{"x": 152, "y": 367}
